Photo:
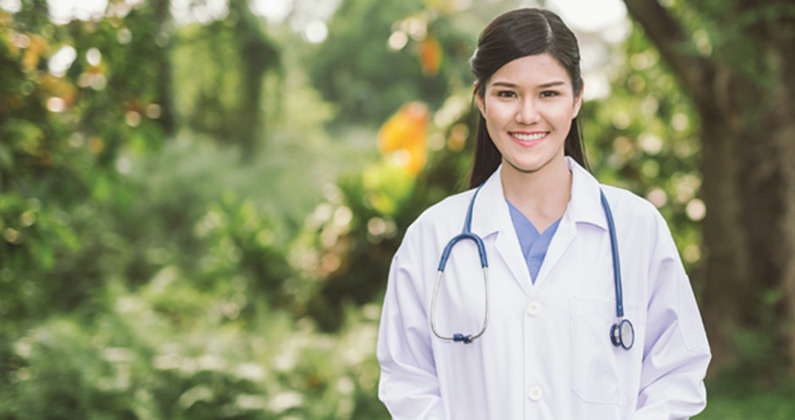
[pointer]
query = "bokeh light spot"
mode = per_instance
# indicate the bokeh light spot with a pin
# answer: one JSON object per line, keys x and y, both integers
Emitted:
{"x": 124, "y": 36}
{"x": 316, "y": 32}
{"x": 658, "y": 197}
{"x": 132, "y": 118}
{"x": 397, "y": 40}
{"x": 153, "y": 111}
{"x": 93, "y": 56}
{"x": 691, "y": 253}
{"x": 56, "y": 104}
{"x": 696, "y": 210}
{"x": 60, "y": 62}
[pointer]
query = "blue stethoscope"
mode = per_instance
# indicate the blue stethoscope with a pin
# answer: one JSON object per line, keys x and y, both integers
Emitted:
{"x": 622, "y": 333}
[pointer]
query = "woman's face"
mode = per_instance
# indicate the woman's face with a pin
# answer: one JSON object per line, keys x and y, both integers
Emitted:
{"x": 528, "y": 105}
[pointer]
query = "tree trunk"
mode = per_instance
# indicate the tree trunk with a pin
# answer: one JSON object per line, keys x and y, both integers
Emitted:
{"x": 257, "y": 55}
{"x": 770, "y": 210}
{"x": 726, "y": 290}
{"x": 165, "y": 89}
{"x": 748, "y": 168}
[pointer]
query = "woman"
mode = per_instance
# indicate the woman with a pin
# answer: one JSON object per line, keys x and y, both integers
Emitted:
{"x": 545, "y": 337}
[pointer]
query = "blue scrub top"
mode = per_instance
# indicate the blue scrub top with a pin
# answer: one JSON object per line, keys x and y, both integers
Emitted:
{"x": 534, "y": 245}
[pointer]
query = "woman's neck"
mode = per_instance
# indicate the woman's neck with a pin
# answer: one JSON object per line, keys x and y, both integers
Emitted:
{"x": 542, "y": 196}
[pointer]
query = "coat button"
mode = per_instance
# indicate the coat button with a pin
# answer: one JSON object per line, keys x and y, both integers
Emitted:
{"x": 535, "y": 393}
{"x": 533, "y": 308}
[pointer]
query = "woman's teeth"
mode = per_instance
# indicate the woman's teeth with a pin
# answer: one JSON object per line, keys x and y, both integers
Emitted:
{"x": 529, "y": 137}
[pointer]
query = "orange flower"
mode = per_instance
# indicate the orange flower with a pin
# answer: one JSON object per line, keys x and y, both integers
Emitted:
{"x": 430, "y": 53}
{"x": 404, "y": 137}
{"x": 36, "y": 50}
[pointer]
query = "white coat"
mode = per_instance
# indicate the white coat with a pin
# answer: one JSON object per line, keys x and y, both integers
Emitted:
{"x": 546, "y": 353}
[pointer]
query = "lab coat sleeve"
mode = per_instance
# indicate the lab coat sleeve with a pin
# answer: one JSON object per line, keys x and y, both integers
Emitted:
{"x": 408, "y": 386}
{"x": 676, "y": 352}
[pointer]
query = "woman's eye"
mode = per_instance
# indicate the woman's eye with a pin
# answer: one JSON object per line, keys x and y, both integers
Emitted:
{"x": 506, "y": 94}
{"x": 549, "y": 93}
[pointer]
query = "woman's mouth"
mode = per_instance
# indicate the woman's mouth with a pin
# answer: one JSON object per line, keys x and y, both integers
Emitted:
{"x": 529, "y": 139}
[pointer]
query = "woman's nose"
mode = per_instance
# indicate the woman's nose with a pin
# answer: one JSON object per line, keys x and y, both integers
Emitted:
{"x": 527, "y": 112}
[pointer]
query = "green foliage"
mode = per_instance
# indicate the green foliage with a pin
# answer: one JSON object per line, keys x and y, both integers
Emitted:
{"x": 170, "y": 351}
{"x": 735, "y": 399}
{"x": 61, "y": 134}
{"x": 368, "y": 80}
{"x": 221, "y": 100}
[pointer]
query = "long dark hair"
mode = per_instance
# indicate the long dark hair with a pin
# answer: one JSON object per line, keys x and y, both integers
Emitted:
{"x": 513, "y": 35}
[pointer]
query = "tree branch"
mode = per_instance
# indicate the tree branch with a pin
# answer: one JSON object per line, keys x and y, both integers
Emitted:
{"x": 671, "y": 40}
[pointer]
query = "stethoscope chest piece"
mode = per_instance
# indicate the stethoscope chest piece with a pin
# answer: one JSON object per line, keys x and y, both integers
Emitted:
{"x": 622, "y": 334}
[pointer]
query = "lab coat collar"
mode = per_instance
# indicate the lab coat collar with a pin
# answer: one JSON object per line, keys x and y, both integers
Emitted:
{"x": 491, "y": 215}
{"x": 586, "y": 202}
{"x": 491, "y": 212}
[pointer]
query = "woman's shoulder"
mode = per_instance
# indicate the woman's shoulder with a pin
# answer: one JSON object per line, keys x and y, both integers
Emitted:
{"x": 445, "y": 215}
{"x": 621, "y": 199}
{"x": 637, "y": 215}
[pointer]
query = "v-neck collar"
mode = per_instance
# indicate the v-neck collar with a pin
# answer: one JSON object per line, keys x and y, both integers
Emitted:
{"x": 491, "y": 216}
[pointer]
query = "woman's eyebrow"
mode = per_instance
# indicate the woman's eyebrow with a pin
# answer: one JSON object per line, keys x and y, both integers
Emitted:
{"x": 552, "y": 84}
{"x": 504, "y": 84}
{"x": 541, "y": 86}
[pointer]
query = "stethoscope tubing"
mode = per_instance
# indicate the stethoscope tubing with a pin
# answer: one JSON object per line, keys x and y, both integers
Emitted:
{"x": 466, "y": 339}
{"x": 611, "y": 229}
{"x": 466, "y": 234}
{"x": 616, "y": 331}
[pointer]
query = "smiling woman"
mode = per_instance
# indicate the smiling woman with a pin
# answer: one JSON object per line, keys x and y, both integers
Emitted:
{"x": 528, "y": 106}
{"x": 586, "y": 310}
{"x": 544, "y": 35}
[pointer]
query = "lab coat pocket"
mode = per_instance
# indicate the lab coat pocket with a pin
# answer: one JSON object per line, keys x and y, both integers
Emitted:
{"x": 594, "y": 365}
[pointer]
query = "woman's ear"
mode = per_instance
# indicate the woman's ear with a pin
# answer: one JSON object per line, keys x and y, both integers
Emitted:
{"x": 479, "y": 98}
{"x": 578, "y": 102}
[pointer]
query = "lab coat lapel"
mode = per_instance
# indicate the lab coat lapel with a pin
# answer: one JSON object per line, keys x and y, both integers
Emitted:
{"x": 491, "y": 216}
{"x": 584, "y": 207}
{"x": 567, "y": 230}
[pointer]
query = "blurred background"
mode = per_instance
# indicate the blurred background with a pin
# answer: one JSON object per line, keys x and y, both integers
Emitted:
{"x": 199, "y": 199}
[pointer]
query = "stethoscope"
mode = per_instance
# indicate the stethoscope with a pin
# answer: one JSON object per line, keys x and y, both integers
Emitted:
{"x": 622, "y": 333}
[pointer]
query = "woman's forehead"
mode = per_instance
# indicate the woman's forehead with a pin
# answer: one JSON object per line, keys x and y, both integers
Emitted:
{"x": 531, "y": 70}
